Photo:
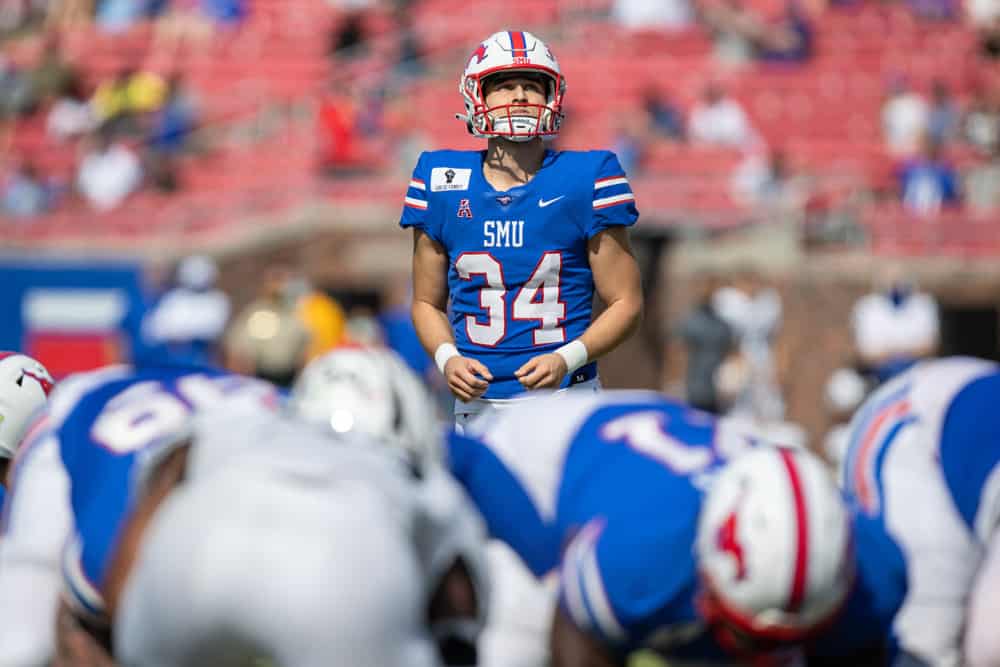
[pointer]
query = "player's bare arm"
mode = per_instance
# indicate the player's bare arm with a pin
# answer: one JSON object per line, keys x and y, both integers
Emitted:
{"x": 572, "y": 647}
{"x": 617, "y": 281}
{"x": 467, "y": 378}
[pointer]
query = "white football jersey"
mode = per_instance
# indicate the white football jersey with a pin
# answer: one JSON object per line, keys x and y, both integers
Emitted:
{"x": 922, "y": 460}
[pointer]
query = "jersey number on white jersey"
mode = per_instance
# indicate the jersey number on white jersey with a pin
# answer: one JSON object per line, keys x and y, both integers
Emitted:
{"x": 148, "y": 411}
{"x": 538, "y": 299}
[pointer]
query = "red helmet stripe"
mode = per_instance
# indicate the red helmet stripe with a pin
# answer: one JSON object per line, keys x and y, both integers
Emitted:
{"x": 802, "y": 527}
{"x": 518, "y": 44}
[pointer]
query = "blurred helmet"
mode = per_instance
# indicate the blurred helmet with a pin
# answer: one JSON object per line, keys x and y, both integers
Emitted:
{"x": 503, "y": 53}
{"x": 24, "y": 386}
{"x": 774, "y": 549}
{"x": 368, "y": 390}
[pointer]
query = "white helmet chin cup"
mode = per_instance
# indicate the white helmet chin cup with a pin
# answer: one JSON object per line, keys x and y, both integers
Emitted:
{"x": 24, "y": 388}
{"x": 368, "y": 390}
{"x": 774, "y": 543}
{"x": 505, "y": 52}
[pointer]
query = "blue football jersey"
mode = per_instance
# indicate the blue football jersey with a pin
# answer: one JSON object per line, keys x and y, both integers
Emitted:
{"x": 519, "y": 274}
{"x": 608, "y": 489}
{"x": 105, "y": 436}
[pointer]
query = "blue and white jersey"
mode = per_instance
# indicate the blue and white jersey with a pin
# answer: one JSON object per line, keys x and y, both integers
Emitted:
{"x": 519, "y": 273}
{"x": 922, "y": 468}
{"x": 609, "y": 487}
{"x": 607, "y": 490}
{"x": 104, "y": 433}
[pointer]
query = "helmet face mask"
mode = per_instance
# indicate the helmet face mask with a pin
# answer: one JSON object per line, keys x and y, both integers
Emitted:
{"x": 512, "y": 54}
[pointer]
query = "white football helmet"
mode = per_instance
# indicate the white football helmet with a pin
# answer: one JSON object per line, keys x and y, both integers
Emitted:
{"x": 24, "y": 387}
{"x": 774, "y": 549}
{"x": 372, "y": 391}
{"x": 501, "y": 53}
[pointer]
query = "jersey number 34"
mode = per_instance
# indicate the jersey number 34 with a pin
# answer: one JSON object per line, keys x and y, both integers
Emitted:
{"x": 538, "y": 299}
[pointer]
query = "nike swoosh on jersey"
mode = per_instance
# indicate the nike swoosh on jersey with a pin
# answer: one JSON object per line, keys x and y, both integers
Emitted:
{"x": 542, "y": 203}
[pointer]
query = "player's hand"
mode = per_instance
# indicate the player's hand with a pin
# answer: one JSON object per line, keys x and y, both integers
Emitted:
{"x": 546, "y": 371}
{"x": 467, "y": 378}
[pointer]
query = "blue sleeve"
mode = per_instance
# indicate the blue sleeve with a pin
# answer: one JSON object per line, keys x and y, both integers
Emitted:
{"x": 614, "y": 203}
{"x": 970, "y": 447}
{"x": 620, "y": 585}
{"x": 509, "y": 512}
{"x": 416, "y": 204}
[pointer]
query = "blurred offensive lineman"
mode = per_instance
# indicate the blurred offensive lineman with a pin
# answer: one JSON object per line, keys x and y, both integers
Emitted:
{"x": 24, "y": 387}
{"x": 608, "y": 493}
{"x": 304, "y": 551}
{"x": 262, "y": 513}
{"x": 923, "y": 465}
{"x": 71, "y": 497}
{"x": 518, "y": 237}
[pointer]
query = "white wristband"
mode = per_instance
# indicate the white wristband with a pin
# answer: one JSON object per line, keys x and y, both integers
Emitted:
{"x": 444, "y": 352}
{"x": 575, "y": 353}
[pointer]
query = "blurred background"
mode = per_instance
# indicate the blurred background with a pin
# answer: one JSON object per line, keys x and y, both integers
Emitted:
{"x": 221, "y": 180}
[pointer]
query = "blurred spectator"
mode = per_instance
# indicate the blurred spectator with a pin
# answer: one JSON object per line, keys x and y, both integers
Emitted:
{"x": 267, "y": 338}
{"x": 895, "y": 325}
{"x": 981, "y": 125}
{"x": 935, "y": 10}
{"x": 629, "y": 144}
{"x": 122, "y": 102}
{"x": 905, "y": 116}
{"x": 981, "y": 186}
{"x": 119, "y": 15}
{"x": 171, "y": 126}
{"x": 188, "y": 321}
{"x": 225, "y": 12}
{"x": 69, "y": 14}
{"x": 25, "y": 195}
{"x": 985, "y": 18}
{"x": 183, "y": 21}
{"x": 52, "y": 76}
{"x": 15, "y": 90}
{"x": 753, "y": 310}
{"x": 734, "y": 30}
{"x": 349, "y": 39}
{"x": 653, "y": 14}
{"x": 409, "y": 48}
{"x": 789, "y": 39}
{"x": 665, "y": 119}
{"x": 708, "y": 340}
{"x": 338, "y": 143}
{"x": 18, "y": 15}
{"x": 943, "y": 117}
{"x": 320, "y": 314}
{"x": 928, "y": 182}
{"x": 763, "y": 178}
{"x": 720, "y": 120}
{"x": 845, "y": 390}
{"x": 108, "y": 173}
{"x": 71, "y": 116}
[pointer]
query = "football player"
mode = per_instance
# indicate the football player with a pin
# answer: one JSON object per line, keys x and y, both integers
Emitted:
{"x": 510, "y": 243}
{"x": 300, "y": 549}
{"x": 71, "y": 495}
{"x": 922, "y": 466}
{"x": 24, "y": 387}
{"x": 674, "y": 531}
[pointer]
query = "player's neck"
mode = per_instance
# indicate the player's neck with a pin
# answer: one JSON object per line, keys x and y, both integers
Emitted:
{"x": 509, "y": 164}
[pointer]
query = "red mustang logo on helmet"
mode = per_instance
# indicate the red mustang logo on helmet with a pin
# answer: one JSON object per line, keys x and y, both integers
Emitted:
{"x": 479, "y": 54}
{"x": 727, "y": 541}
{"x": 44, "y": 381}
